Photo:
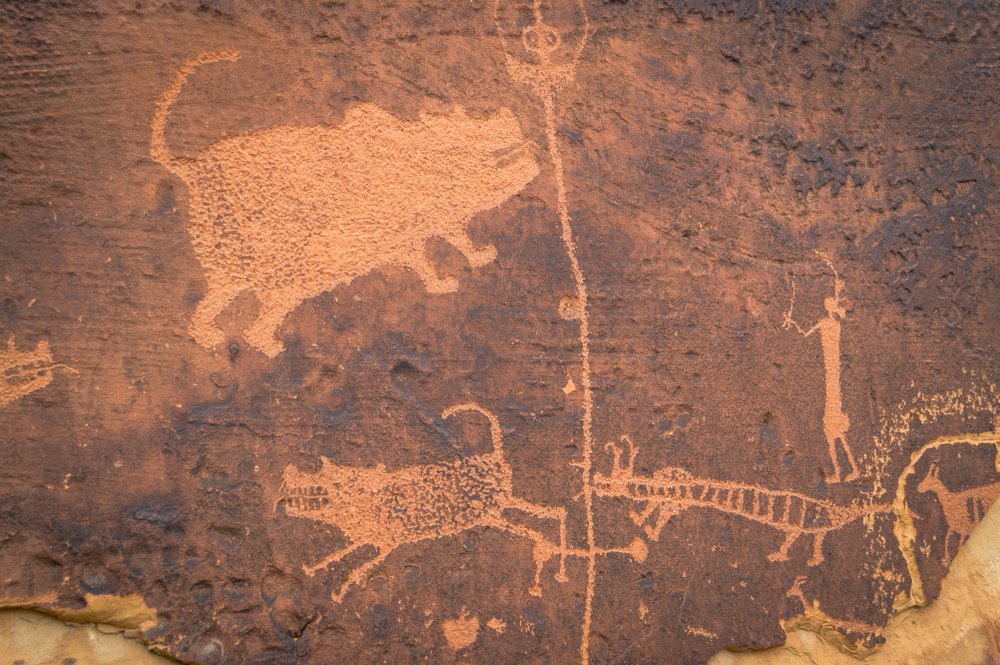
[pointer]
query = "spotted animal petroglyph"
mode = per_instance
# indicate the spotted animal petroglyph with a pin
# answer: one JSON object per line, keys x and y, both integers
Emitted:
{"x": 387, "y": 509}
{"x": 962, "y": 510}
{"x": 24, "y": 372}
{"x": 291, "y": 212}
{"x": 672, "y": 490}
{"x": 835, "y": 421}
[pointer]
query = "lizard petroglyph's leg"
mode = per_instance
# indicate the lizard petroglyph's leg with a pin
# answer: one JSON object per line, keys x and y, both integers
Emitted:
{"x": 203, "y": 327}
{"x": 333, "y": 558}
{"x": 640, "y": 518}
{"x": 418, "y": 261}
{"x": 477, "y": 256}
{"x": 272, "y": 314}
{"x": 358, "y": 574}
{"x": 551, "y": 513}
{"x": 817, "y": 557}
{"x": 782, "y": 553}
{"x": 661, "y": 521}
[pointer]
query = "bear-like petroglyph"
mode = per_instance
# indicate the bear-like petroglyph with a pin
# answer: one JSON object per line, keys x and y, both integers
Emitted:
{"x": 291, "y": 212}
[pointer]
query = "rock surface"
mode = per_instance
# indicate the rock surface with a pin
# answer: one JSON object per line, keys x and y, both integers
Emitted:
{"x": 468, "y": 332}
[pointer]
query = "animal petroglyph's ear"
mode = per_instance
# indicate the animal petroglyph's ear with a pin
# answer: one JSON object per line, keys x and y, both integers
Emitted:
{"x": 924, "y": 484}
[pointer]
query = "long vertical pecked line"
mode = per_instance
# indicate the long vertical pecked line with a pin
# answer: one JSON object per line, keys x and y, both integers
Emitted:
{"x": 580, "y": 310}
{"x": 545, "y": 83}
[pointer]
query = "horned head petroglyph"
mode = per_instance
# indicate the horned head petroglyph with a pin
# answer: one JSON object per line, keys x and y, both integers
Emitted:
{"x": 551, "y": 63}
{"x": 291, "y": 212}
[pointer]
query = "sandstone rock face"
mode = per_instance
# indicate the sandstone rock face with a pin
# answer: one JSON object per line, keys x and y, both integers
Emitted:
{"x": 501, "y": 332}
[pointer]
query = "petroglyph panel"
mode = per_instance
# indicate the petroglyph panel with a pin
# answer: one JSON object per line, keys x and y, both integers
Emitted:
{"x": 365, "y": 304}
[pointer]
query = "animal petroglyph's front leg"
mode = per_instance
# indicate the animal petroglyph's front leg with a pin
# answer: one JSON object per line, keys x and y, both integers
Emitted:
{"x": 432, "y": 282}
{"x": 477, "y": 256}
{"x": 661, "y": 521}
{"x": 551, "y": 513}
{"x": 357, "y": 576}
{"x": 333, "y": 558}
{"x": 203, "y": 327}
{"x": 272, "y": 314}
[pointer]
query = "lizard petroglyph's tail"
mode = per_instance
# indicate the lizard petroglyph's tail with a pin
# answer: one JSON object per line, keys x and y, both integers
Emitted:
{"x": 672, "y": 490}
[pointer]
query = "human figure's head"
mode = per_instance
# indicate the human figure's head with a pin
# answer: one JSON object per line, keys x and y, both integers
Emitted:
{"x": 833, "y": 308}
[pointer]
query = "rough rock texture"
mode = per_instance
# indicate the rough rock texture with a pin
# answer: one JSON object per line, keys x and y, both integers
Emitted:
{"x": 33, "y": 638}
{"x": 469, "y": 332}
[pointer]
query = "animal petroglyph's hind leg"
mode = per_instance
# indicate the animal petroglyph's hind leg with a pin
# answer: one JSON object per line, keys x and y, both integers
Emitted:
{"x": 946, "y": 559}
{"x": 434, "y": 284}
{"x": 477, "y": 256}
{"x": 817, "y": 557}
{"x": 782, "y": 553}
{"x": 543, "y": 550}
{"x": 272, "y": 313}
{"x": 551, "y": 513}
{"x": 358, "y": 574}
{"x": 203, "y": 327}
{"x": 333, "y": 558}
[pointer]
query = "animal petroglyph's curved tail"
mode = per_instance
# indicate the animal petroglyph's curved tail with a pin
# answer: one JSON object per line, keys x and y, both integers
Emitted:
{"x": 157, "y": 146}
{"x": 495, "y": 432}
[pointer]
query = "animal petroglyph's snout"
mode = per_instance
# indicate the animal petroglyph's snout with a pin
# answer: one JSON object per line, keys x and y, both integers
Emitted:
{"x": 512, "y": 154}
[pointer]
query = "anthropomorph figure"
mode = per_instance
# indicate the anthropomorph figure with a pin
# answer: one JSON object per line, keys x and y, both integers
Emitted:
{"x": 835, "y": 421}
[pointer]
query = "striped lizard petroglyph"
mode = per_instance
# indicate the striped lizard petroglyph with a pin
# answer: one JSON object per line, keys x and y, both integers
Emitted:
{"x": 672, "y": 490}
